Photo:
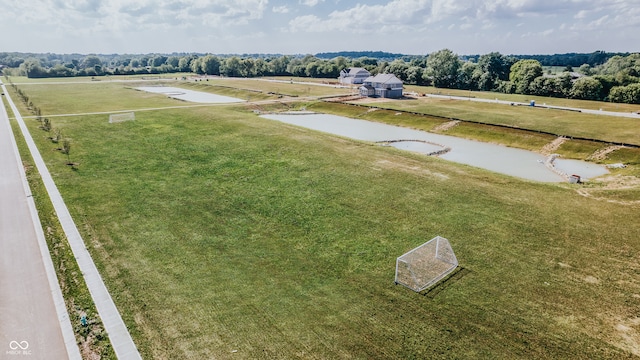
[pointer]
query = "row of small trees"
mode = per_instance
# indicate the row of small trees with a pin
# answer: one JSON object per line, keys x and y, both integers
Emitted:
{"x": 56, "y": 136}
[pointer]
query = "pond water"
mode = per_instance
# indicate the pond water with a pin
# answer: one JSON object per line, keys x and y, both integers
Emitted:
{"x": 510, "y": 161}
{"x": 190, "y": 95}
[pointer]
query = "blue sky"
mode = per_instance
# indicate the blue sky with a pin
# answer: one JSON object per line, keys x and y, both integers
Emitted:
{"x": 311, "y": 26}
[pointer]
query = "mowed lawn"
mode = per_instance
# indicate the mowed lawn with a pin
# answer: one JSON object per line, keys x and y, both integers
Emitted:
{"x": 224, "y": 235}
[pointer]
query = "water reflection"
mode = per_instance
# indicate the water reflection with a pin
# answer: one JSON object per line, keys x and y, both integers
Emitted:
{"x": 510, "y": 161}
{"x": 189, "y": 95}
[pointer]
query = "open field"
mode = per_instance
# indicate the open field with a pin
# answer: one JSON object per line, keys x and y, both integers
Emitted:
{"x": 583, "y": 104}
{"x": 224, "y": 235}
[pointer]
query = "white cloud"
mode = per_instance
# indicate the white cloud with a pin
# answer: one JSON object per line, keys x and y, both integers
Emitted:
{"x": 310, "y": 3}
{"x": 86, "y": 15}
{"x": 280, "y": 9}
{"x": 417, "y": 26}
{"x": 395, "y": 15}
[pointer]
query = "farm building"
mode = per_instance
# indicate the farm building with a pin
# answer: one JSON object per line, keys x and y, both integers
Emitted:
{"x": 382, "y": 85}
{"x": 354, "y": 75}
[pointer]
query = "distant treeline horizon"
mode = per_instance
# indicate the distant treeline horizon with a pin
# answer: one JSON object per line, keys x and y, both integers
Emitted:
{"x": 595, "y": 76}
{"x": 14, "y": 59}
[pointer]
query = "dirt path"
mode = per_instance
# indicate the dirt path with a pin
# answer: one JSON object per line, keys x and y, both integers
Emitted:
{"x": 602, "y": 154}
{"x": 446, "y": 126}
{"x": 551, "y": 147}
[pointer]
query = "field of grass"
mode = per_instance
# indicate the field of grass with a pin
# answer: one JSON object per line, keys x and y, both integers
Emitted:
{"x": 224, "y": 235}
{"x": 582, "y": 104}
{"x": 567, "y": 123}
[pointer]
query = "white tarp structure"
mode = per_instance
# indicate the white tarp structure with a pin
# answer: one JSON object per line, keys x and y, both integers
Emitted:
{"x": 426, "y": 265}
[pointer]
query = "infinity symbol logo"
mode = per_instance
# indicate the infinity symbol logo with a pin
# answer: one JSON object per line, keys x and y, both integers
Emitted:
{"x": 23, "y": 345}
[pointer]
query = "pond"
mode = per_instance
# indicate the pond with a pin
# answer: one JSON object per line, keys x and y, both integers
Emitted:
{"x": 190, "y": 95}
{"x": 510, "y": 161}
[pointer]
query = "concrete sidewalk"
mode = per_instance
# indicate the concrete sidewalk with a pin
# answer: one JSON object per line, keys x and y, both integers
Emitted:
{"x": 119, "y": 336}
{"x": 33, "y": 318}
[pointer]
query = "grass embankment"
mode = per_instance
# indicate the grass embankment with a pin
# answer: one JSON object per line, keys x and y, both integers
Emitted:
{"x": 282, "y": 86}
{"x": 221, "y": 234}
{"x": 566, "y": 123}
{"x": 92, "y": 339}
{"x": 581, "y": 104}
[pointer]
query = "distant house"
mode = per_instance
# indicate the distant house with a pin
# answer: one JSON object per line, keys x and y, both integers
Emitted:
{"x": 382, "y": 85}
{"x": 353, "y": 75}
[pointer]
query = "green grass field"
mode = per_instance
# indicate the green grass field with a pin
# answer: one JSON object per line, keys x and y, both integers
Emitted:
{"x": 567, "y": 123}
{"x": 224, "y": 235}
{"x": 583, "y": 104}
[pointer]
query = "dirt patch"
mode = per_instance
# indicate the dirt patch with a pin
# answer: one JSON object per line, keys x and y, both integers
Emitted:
{"x": 602, "y": 153}
{"x": 628, "y": 331}
{"x": 551, "y": 147}
{"x": 591, "y": 280}
{"x": 446, "y": 126}
{"x": 612, "y": 183}
{"x": 387, "y": 164}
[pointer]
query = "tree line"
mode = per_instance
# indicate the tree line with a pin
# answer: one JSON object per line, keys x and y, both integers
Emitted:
{"x": 615, "y": 79}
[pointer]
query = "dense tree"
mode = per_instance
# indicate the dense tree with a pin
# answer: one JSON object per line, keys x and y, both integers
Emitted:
{"x": 496, "y": 67}
{"x": 618, "y": 64}
{"x": 523, "y": 73}
{"x": 157, "y": 60}
{"x": 626, "y": 94}
{"x": 173, "y": 61}
{"x": 399, "y": 68}
{"x": 61, "y": 71}
{"x": 585, "y": 69}
{"x": 415, "y": 75}
{"x": 470, "y": 74}
{"x": 184, "y": 64}
{"x": 607, "y": 82}
{"x": 586, "y": 88}
{"x": 89, "y": 62}
{"x": 278, "y": 66}
{"x": 231, "y": 67}
{"x": 296, "y": 67}
{"x": 210, "y": 65}
{"x": 443, "y": 67}
{"x": 32, "y": 68}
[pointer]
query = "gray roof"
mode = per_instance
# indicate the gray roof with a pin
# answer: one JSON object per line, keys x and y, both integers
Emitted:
{"x": 353, "y": 71}
{"x": 384, "y": 79}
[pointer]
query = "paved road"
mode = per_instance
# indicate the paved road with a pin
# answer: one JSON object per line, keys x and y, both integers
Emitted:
{"x": 34, "y": 323}
{"x": 119, "y": 336}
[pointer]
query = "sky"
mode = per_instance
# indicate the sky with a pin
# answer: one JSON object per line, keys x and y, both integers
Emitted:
{"x": 415, "y": 27}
